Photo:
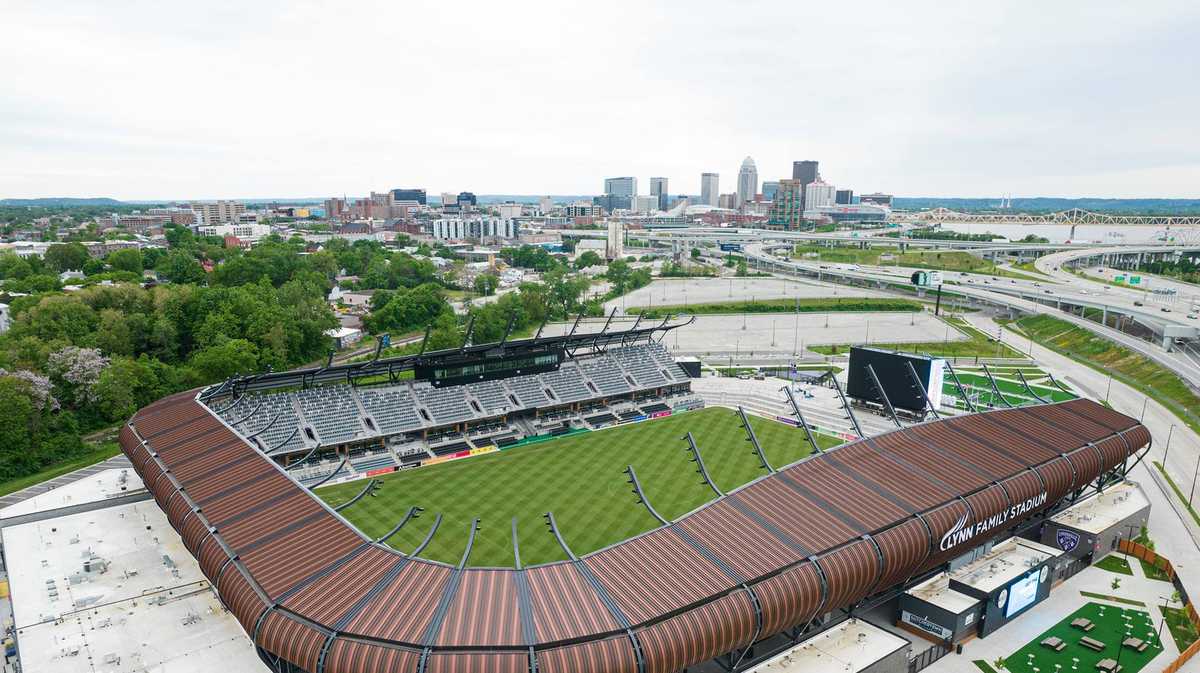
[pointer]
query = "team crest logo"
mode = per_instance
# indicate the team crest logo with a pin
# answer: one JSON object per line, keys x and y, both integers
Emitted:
{"x": 1067, "y": 540}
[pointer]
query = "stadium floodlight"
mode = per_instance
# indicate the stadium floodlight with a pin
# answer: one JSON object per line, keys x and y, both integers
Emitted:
{"x": 265, "y": 427}
{"x": 412, "y": 513}
{"x": 1028, "y": 389}
{"x": 437, "y": 522}
{"x": 642, "y": 499}
{"x": 962, "y": 392}
{"x": 369, "y": 489}
{"x": 301, "y": 461}
{"x": 996, "y": 388}
{"x": 699, "y": 461}
{"x": 425, "y": 340}
{"x": 470, "y": 543}
{"x": 886, "y": 402}
{"x": 553, "y": 526}
{"x": 467, "y": 336}
{"x": 516, "y": 546}
{"x": 1057, "y": 384}
{"x": 512, "y": 317}
{"x": 750, "y": 437}
{"x": 846, "y": 405}
{"x": 912, "y": 372}
{"x": 331, "y": 475}
{"x": 800, "y": 418}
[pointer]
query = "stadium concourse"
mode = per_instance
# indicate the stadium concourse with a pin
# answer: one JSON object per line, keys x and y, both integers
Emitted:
{"x": 790, "y": 552}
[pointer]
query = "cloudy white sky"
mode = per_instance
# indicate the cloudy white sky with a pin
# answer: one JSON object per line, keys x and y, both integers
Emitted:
{"x": 163, "y": 99}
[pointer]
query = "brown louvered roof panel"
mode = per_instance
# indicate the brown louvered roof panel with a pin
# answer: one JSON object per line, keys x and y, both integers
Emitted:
{"x": 477, "y": 662}
{"x": 484, "y": 610}
{"x": 803, "y": 520}
{"x": 295, "y": 641}
{"x": 564, "y": 605}
{"x": 404, "y": 606}
{"x": 914, "y": 448}
{"x": 279, "y": 565}
{"x": 899, "y": 481}
{"x": 725, "y": 531}
{"x": 356, "y": 656}
{"x": 613, "y": 655}
{"x": 325, "y": 599}
{"x": 854, "y": 497}
{"x": 655, "y": 574}
{"x": 698, "y": 635}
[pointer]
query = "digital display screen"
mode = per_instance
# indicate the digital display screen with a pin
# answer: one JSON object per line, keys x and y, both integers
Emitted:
{"x": 1021, "y": 594}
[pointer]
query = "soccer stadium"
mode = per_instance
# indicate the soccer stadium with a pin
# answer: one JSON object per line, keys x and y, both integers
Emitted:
{"x": 566, "y": 504}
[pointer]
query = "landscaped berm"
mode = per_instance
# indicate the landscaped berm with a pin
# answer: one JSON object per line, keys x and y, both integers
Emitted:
{"x": 1112, "y": 626}
{"x": 579, "y": 478}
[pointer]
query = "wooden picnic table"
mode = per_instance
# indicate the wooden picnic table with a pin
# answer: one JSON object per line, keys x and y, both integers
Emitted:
{"x": 1092, "y": 644}
{"x": 1135, "y": 644}
{"x": 1083, "y": 623}
{"x": 1054, "y": 643}
{"x": 1108, "y": 666}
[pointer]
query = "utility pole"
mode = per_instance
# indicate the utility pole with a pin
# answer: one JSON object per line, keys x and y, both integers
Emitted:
{"x": 1168, "y": 449}
{"x": 1144, "y": 403}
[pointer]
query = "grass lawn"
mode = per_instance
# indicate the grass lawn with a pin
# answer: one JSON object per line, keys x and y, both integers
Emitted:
{"x": 1182, "y": 629}
{"x": 1114, "y": 563}
{"x": 1154, "y": 572}
{"x": 104, "y": 452}
{"x": 798, "y": 305}
{"x": 1113, "y": 625}
{"x": 1013, "y": 391}
{"x": 952, "y": 260}
{"x": 579, "y": 478}
{"x": 977, "y": 345}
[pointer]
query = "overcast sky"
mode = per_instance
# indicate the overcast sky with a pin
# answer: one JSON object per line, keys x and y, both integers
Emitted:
{"x": 163, "y": 99}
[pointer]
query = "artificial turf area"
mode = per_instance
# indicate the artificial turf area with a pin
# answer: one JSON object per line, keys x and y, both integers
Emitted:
{"x": 1113, "y": 625}
{"x": 579, "y": 478}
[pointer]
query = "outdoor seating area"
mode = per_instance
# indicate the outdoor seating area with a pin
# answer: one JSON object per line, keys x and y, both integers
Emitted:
{"x": 1095, "y": 637}
{"x": 1055, "y": 643}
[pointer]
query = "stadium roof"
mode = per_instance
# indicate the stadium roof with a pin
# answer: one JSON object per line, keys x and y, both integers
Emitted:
{"x": 814, "y": 537}
{"x": 345, "y": 373}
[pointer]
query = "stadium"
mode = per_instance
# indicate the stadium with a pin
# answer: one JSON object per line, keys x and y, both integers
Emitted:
{"x": 801, "y": 542}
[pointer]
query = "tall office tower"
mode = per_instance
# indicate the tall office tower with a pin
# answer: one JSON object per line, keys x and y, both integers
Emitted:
{"x": 626, "y": 186}
{"x": 405, "y": 194}
{"x": 818, "y": 195}
{"x": 466, "y": 199}
{"x": 805, "y": 172}
{"x": 786, "y": 212}
{"x": 844, "y": 197}
{"x": 769, "y": 188}
{"x": 658, "y": 187}
{"x": 615, "y": 249}
{"x": 710, "y": 190}
{"x": 747, "y": 185}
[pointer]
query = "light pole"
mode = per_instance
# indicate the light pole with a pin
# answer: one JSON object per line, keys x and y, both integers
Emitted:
{"x": 1144, "y": 403}
{"x": 1194, "y": 475}
{"x": 1167, "y": 450}
{"x": 1108, "y": 389}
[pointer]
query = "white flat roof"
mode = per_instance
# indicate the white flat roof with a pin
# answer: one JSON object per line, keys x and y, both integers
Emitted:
{"x": 849, "y": 647}
{"x": 936, "y": 591}
{"x": 103, "y": 485}
{"x": 1099, "y": 512}
{"x": 1006, "y": 561}
{"x": 115, "y": 590}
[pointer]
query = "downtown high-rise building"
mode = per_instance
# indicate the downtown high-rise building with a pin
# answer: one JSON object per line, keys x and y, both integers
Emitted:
{"x": 710, "y": 189}
{"x": 658, "y": 188}
{"x": 818, "y": 195}
{"x": 769, "y": 187}
{"x": 804, "y": 172}
{"x": 218, "y": 212}
{"x": 786, "y": 207}
{"x": 747, "y": 184}
{"x": 625, "y": 186}
{"x": 844, "y": 197}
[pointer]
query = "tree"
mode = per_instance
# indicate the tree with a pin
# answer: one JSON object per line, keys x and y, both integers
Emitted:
{"x": 618, "y": 274}
{"x": 61, "y": 318}
{"x": 129, "y": 259}
{"x": 695, "y": 253}
{"x": 742, "y": 270}
{"x": 486, "y": 284}
{"x": 12, "y": 266}
{"x": 180, "y": 267}
{"x": 16, "y": 427}
{"x": 66, "y": 256}
{"x": 219, "y": 362}
{"x": 75, "y": 372}
{"x": 588, "y": 258}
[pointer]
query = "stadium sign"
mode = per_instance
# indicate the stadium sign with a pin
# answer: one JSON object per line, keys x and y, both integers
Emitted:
{"x": 960, "y": 532}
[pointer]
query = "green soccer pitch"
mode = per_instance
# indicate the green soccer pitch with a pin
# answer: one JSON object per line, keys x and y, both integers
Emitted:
{"x": 1113, "y": 625}
{"x": 579, "y": 478}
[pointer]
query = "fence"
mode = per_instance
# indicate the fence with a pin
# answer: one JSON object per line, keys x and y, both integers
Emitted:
{"x": 1164, "y": 564}
{"x": 935, "y": 652}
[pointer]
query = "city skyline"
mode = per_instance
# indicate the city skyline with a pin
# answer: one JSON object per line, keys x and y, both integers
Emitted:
{"x": 933, "y": 101}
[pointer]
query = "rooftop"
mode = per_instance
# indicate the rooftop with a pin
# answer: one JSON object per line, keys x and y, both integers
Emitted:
{"x": 849, "y": 647}
{"x": 101, "y": 486}
{"x": 936, "y": 591}
{"x": 114, "y": 589}
{"x": 1106, "y": 509}
{"x": 1006, "y": 561}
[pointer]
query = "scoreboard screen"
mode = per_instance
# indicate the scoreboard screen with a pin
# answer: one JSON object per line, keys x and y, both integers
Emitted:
{"x": 892, "y": 370}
